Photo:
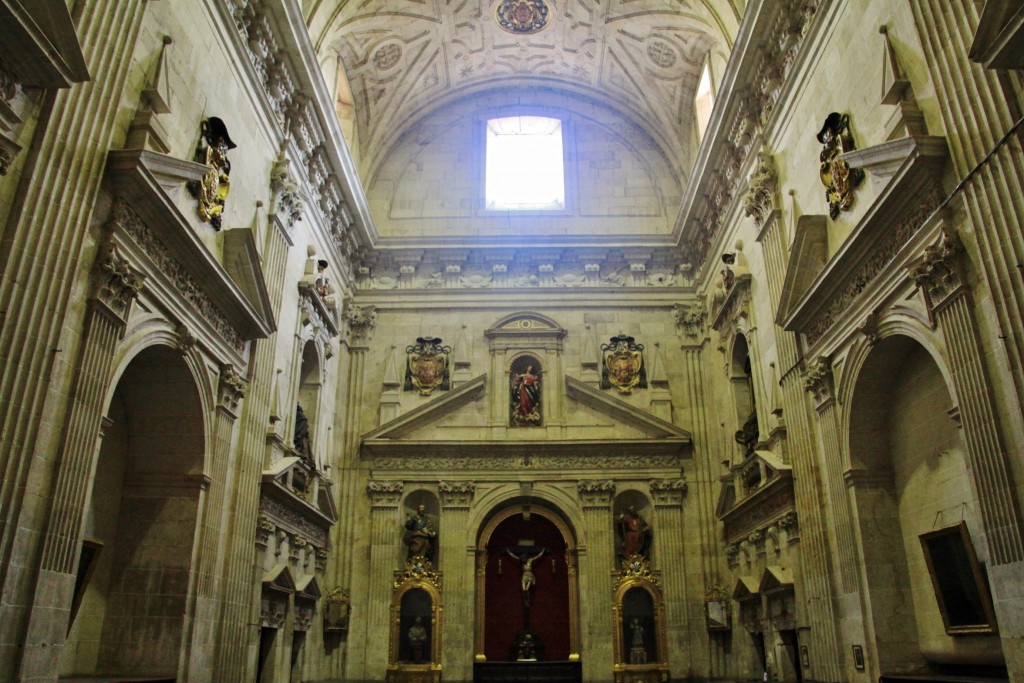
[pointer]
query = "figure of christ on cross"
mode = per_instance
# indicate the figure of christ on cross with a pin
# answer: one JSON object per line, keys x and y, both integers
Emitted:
{"x": 528, "y": 577}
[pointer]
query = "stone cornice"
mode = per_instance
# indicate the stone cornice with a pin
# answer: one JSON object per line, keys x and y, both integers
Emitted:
{"x": 901, "y": 209}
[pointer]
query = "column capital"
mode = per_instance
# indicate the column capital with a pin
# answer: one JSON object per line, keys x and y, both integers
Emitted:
{"x": 385, "y": 493}
{"x": 596, "y": 494}
{"x": 457, "y": 494}
{"x": 668, "y": 491}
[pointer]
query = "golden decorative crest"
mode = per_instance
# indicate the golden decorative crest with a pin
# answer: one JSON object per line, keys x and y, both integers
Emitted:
{"x": 212, "y": 190}
{"x": 522, "y": 16}
{"x": 418, "y": 569}
{"x": 836, "y": 175}
{"x": 427, "y": 366}
{"x": 623, "y": 365}
{"x": 636, "y": 567}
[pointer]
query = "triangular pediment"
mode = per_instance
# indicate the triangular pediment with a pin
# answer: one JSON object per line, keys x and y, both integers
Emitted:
{"x": 776, "y": 578}
{"x": 746, "y": 588}
{"x": 807, "y": 259}
{"x": 726, "y": 498}
{"x": 308, "y": 587}
{"x": 595, "y": 417}
{"x": 279, "y": 578}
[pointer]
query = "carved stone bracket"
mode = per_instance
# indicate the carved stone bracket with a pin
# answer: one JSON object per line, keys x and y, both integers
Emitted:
{"x": 668, "y": 491}
{"x": 385, "y": 493}
{"x": 759, "y": 200}
{"x": 818, "y": 382}
{"x": 265, "y": 528}
{"x": 940, "y": 272}
{"x": 117, "y": 283}
{"x": 287, "y": 204}
{"x": 456, "y": 494}
{"x": 184, "y": 340}
{"x": 231, "y": 389}
{"x": 596, "y": 493}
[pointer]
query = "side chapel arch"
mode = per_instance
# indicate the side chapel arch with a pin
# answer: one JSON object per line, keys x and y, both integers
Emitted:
{"x": 495, "y": 568}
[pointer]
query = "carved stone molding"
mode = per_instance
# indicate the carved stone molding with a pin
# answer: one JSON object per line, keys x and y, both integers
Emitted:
{"x": 360, "y": 321}
{"x": 818, "y": 382}
{"x": 766, "y": 70}
{"x": 668, "y": 491}
{"x": 287, "y": 204}
{"x": 290, "y": 522}
{"x": 125, "y": 218}
{"x": 457, "y": 494}
{"x": 939, "y": 273}
{"x": 596, "y": 493}
{"x": 691, "y": 319}
{"x": 385, "y": 493}
{"x": 759, "y": 200}
{"x": 117, "y": 283}
{"x": 231, "y": 388}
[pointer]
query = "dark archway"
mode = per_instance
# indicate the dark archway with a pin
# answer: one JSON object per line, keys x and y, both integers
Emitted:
{"x": 133, "y": 586}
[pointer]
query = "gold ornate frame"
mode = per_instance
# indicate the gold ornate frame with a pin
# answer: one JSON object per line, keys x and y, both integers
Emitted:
{"x": 636, "y": 573}
{"x": 418, "y": 575}
{"x": 570, "y": 561}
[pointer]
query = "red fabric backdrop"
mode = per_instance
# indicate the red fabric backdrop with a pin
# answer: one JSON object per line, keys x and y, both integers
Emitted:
{"x": 503, "y": 610}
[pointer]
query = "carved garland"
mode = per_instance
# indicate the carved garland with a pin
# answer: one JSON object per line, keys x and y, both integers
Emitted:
{"x": 124, "y": 216}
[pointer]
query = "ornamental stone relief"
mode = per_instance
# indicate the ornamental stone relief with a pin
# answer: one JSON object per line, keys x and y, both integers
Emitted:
{"x": 456, "y": 494}
{"x": 385, "y": 493}
{"x": 434, "y": 463}
{"x": 231, "y": 388}
{"x": 117, "y": 283}
{"x": 762, "y": 186}
{"x": 668, "y": 491}
{"x": 596, "y": 493}
{"x": 939, "y": 273}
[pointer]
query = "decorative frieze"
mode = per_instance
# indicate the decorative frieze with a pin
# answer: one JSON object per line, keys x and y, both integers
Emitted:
{"x": 497, "y": 462}
{"x": 125, "y": 218}
{"x": 291, "y": 522}
{"x": 596, "y": 493}
{"x": 668, "y": 491}
{"x": 884, "y": 252}
{"x": 457, "y": 494}
{"x": 385, "y": 493}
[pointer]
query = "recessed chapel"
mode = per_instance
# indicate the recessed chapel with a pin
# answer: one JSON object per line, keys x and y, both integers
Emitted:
{"x": 427, "y": 341}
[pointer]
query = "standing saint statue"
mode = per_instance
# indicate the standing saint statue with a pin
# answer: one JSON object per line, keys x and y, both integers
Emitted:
{"x": 635, "y": 533}
{"x": 525, "y": 397}
{"x": 420, "y": 534}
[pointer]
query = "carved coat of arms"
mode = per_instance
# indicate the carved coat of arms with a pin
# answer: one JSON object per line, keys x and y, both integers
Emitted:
{"x": 836, "y": 175}
{"x": 623, "y": 365}
{"x": 212, "y": 190}
{"x": 427, "y": 366}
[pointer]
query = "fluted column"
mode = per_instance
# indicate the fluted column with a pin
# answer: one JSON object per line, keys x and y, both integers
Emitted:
{"x": 595, "y": 576}
{"x": 669, "y": 541}
{"x": 45, "y": 243}
{"x": 116, "y": 285}
{"x": 457, "y": 558}
{"x": 237, "y": 643}
{"x": 212, "y": 556}
{"x": 978, "y": 108}
{"x": 385, "y": 524}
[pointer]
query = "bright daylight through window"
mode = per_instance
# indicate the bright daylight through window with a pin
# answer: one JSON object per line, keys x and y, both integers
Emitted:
{"x": 524, "y": 169}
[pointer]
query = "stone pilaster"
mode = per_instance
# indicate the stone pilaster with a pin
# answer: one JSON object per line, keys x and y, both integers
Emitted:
{"x": 675, "y": 569}
{"x": 596, "y": 570}
{"x": 115, "y": 287}
{"x": 385, "y": 525}
{"x": 457, "y": 557}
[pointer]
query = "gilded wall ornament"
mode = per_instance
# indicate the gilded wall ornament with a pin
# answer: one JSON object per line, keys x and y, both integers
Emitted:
{"x": 522, "y": 16}
{"x": 623, "y": 365}
{"x": 212, "y": 190}
{"x": 836, "y": 175}
{"x": 426, "y": 366}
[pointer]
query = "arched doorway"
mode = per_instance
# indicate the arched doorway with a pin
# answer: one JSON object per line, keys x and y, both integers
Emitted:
{"x": 527, "y": 538}
{"x": 131, "y": 596}
{"x": 909, "y": 479}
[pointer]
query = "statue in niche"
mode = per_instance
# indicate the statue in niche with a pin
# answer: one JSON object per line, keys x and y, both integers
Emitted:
{"x": 302, "y": 442}
{"x": 417, "y": 639}
{"x": 420, "y": 535}
{"x": 525, "y": 394}
{"x": 634, "y": 532}
{"x": 637, "y": 650}
{"x": 747, "y": 436}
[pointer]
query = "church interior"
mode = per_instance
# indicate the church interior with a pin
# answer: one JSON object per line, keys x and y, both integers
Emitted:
{"x": 625, "y": 341}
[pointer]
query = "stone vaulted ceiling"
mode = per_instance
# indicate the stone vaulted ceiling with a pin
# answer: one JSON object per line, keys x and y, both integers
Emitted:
{"x": 405, "y": 58}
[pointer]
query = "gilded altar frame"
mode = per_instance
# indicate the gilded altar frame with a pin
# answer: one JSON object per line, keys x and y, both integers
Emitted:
{"x": 636, "y": 574}
{"x": 418, "y": 575}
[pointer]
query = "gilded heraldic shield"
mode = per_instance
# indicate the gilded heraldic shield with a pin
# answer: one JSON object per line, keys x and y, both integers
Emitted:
{"x": 427, "y": 366}
{"x": 623, "y": 362}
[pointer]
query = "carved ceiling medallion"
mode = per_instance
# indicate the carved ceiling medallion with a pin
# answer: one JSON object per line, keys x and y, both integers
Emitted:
{"x": 387, "y": 56}
{"x": 522, "y": 16}
{"x": 661, "y": 53}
